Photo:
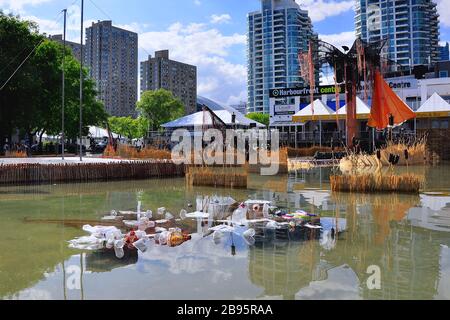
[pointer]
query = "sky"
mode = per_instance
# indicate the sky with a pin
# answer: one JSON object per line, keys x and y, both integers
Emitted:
{"x": 210, "y": 34}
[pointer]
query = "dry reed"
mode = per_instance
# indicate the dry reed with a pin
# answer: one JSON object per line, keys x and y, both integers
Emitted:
{"x": 129, "y": 152}
{"x": 206, "y": 176}
{"x": 309, "y": 152}
{"x": 366, "y": 183}
{"x": 15, "y": 154}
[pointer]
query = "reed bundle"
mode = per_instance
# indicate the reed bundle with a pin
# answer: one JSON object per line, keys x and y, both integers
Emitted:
{"x": 309, "y": 152}
{"x": 206, "y": 176}
{"x": 366, "y": 183}
{"x": 51, "y": 173}
{"x": 129, "y": 152}
{"x": 15, "y": 154}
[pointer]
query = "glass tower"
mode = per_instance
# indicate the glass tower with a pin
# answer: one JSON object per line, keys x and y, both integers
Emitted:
{"x": 276, "y": 34}
{"x": 411, "y": 28}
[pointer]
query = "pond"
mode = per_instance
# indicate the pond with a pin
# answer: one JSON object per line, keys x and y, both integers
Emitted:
{"x": 402, "y": 239}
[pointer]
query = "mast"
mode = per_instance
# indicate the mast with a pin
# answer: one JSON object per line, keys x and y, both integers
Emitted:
{"x": 81, "y": 83}
{"x": 63, "y": 85}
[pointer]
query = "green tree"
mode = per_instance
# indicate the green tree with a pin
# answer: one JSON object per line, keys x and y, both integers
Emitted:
{"x": 159, "y": 107}
{"x": 129, "y": 127}
{"x": 259, "y": 117}
{"x": 34, "y": 93}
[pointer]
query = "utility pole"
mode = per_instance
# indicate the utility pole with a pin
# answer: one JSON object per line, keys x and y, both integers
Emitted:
{"x": 63, "y": 85}
{"x": 81, "y": 83}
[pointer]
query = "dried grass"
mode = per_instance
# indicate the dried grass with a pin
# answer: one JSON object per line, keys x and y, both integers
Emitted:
{"x": 366, "y": 183}
{"x": 206, "y": 176}
{"x": 310, "y": 152}
{"x": 129, "y": 152}
{"x": 16, "y": 154}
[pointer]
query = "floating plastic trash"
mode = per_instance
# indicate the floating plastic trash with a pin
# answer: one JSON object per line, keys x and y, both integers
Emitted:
{"x": 272, "y": 225}
{"x": 119, "y": 252}
{"x": 159, "y": 229}
{"x": 183, "y": 214}
{"x": 131, "y": 223}
{"x": 249, "y": 233}
{"x": 161, "y": 211}
{"x": 149, "y": 214}
{"x": 169, "y": 216}
{"x": 197, "y": 215}
{"x": 141, "y": 244}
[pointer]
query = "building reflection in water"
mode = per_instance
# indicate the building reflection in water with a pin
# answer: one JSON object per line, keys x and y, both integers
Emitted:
{"x": 383, "y": 231}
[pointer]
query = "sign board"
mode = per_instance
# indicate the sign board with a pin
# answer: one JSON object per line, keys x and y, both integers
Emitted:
{"x": 284, "y": 110}
{"x": 304, "y": 92}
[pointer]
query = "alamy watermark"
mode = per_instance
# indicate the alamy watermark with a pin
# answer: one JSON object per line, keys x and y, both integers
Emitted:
{"x": 238, "y": 147}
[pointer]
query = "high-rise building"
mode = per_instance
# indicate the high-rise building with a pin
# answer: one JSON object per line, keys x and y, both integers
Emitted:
{"x": 444, "y": 52}
{"x": 179, "y": 78}
{"x": 75, "y": 47}
{"x": 241, "y": 107}
{"x": 112, "y": 59}
{"x": 411, "y": 28}
{"x": 276, "y": 35}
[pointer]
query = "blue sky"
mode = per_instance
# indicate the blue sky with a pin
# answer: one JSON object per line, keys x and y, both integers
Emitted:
{"x": 207, "y": 33}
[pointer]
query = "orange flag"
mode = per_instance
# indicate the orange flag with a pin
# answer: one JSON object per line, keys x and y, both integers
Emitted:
{"x": 385, "y": 103}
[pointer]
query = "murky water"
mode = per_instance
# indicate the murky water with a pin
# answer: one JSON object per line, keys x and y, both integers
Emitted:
{"x": 404, "y": 237}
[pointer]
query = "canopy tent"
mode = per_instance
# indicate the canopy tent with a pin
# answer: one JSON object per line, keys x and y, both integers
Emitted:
{"x": 362, "y": 110}
{"x": 318, "y": 111}
{"x": 434, "y": 107}
{"x": 99, "y": 133}
{"x": 94, "y": 132}
{"x": 205, "y": 119}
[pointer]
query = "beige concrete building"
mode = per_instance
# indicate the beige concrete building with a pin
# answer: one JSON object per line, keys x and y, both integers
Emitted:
{"x": 112, "y": 59}
{"x": 160, "y": 72}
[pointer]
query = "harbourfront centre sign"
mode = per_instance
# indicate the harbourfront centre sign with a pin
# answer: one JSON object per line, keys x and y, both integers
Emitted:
{"x": 304, "y": 92}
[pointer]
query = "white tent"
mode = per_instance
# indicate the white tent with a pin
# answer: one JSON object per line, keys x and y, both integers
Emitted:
{"x": 204, "y": 118}
{"x": 435, "y": 104}
{"x": 319, "y": 108}
{"x": 361, "y": 108}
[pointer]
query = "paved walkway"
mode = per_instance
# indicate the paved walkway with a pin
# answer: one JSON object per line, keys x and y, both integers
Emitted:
{"x": 54, "y": 160}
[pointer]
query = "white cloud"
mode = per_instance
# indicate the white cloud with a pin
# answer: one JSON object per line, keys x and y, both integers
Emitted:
{"x": 197, "y": 2}
{"x": 206, "y": 48}
{"x": 345, "y": 38}
{"x": 442, "y": 6}
{"x": 219, "y": 19}
{"x": 321, "y": 9}
{"x": 18, "y": 5}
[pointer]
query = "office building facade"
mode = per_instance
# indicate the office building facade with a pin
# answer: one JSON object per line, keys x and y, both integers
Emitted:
{"x": 411, "y": 28}
{"x": 276, "y": 35}
{"x": 112, "y": 59}
{"x": 160, "y": 72}
{"x": 75, "y": 47}
{"x": 444, "y": 52}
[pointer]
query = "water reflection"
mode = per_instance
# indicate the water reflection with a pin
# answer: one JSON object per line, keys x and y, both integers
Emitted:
{"x": 406, "y": 236}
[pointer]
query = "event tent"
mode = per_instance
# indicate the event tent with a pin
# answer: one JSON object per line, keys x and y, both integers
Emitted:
{"x": 313, "y": 112}
{"x": 362, "y": 110}
{"x": 205, "y": 119}
{"x": 434, "y": 107}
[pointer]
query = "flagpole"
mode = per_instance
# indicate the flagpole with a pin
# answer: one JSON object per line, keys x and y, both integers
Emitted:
{"x": 81, "y": 83}
{"x": 63, "y": 85}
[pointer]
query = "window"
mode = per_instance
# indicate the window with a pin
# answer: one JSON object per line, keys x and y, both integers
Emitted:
{"x": 443, "y": 74}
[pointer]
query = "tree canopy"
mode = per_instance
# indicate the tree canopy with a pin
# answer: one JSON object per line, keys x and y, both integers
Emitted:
{"x": 159, "y": 107}
{"x": 129, "y": 127}
{"x": 259, "y": 117}
{"x": 31, "y": 100}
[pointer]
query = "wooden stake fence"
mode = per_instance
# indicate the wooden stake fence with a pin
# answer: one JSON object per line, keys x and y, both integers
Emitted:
{"x": 51, "y": 173}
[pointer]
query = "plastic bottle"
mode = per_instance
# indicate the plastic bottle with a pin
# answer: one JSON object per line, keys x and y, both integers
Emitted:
{"x": 149, "y": 214}
{"x": 249, "y": 233}
{"x": 266, "y": 210}
{"x": 161, "y": 211}
{"x": 183, "y": 214}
